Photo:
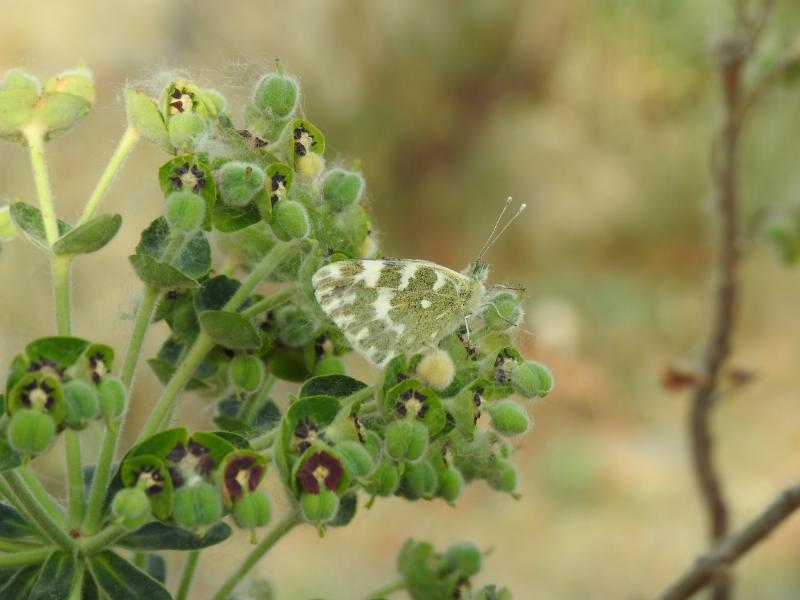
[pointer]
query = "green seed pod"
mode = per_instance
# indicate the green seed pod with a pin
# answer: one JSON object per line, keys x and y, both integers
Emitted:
{"x": 30, "y": 431}
{"x": 252, "y": 510}
{"x": 406, "y": 440}
{"x": 451, "y": 484}
{"x": 143, "y": 114}
{"x": 465, "y": 557}
{"x": 184, "y": 128}
{"x": 502, "y": 312}
{"x": 113, "y": 397}
{"x": 319, "y": 508}
{"x": 531, "y": 379}
{"x": 197, "y": 505}
{"x": 290, "y": 220}
{"x": 82, "y": 403}
{"x": 342, "y": 188}
{"x": 17, "y": 79}
{"x": 421, "y": 480}
{"x": 508, "y": 417}
{"x": 503, "y": 476}
{"x": 276, "y": 94}
{"x": 17, "y": 110}
{"x": 330, "y": 365}
{"x": 246, "y": 372}
{"x": 131, "y": 507}
{"x": 239, "y": 182}
{"x": 356, "y": 458}
{"x": 185, "y": 211}
{"x": 384, "y": 480}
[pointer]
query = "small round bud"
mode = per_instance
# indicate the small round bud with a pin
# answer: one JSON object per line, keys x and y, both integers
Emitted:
{"x": 421, "y": 479}
{"x": 330, "y": 365}
{"x": 531, "y": 379}
{"x": 239, "y": 182}
{"x": 502, "y": 312}
{"x": 356, "y": 458}
{"x": 184, "y": 128}
{"x": 465, "y": 557}
{"x": 76, "y": 82}
{"x": 82, "y": 403}
{"x": 113, "y": 397}
{"x": 321, "y": 507}
{"x": 185, "y": 211}
{"x": 252, "y": 510}
{"x": 451, "y": 484}
{"x": 406, "y": 440}
{"x": 503, "y": 476}
{"x": 436, "y": 370}
{"x": 246, "y": 372}
{"x": 342, "y": 188}
{"x": 508, "y": 417}
{"x": 290, "y": 220}
{"x": 310, "y": 164}
{"x": 197, "y": 505}
{"x": 131, "y": 507}
{"x": 30, "y": 431}
{"x": 276, "y": 94}
{"x": 384, "y": 480}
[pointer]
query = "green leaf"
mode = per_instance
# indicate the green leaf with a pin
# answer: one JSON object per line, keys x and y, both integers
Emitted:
{"x": 156, "y": 567}
{"x": 347, "y": 510}
{"x": 229, "y": 329}
{"x": 194, "y": 257}
{"x": 12, "y": 524}
{"x": 157, "y": 536}
{"x": 29, "y": 219}
{"x": 218, "y": 447}
{"x": 55, "y": 578}
{"x": 18, "y": 586}
{"x": 158, "y": 274}
{"x": 155, "y": 238}
{"x": 90, "y": 236}
{"x": 59, "y": 111}
{"x": 16, "y": 111}
{"x": 339, "y": 386}
{"x": 62, "y": 350}
{"x": 121, "y": 580}
{"x": 215, "y": 292}
{"x": 161, "y": 443}
{"x": 9, "y": 458}
{"x": 233, "y": 218}
{"x": 322, "y": 410}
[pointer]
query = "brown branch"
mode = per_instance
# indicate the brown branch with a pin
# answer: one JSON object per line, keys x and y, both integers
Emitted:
{"x": 710, "y": 566}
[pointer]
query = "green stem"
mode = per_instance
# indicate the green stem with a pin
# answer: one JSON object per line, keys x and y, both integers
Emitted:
{"x": 75, "y": 494}
{"x": 37, "y": 512}
{"x": 385, "y": 590}
{"x": 126, "y": 144}
{"x": 102, "y": 473}
{"x": 265, "y": 440}
{"x": 14, "y": 501}
{"x": 36, "y": 487}
{"x": 76, "y": 593}
{"x": 10, "y": 546}
{"x": 103, "y": 539}
{"x": 144, "y": 316}
{"x": 256, "y": 402}
{"x": 61, "y": 267}
{"x": 188, "y": 575}
{"x": 363, "y": 394}
{"x": 269, "y": 302}
{"x": 34, "y": 135}
{"x": 21, "y": 559}
{"x": 283, "y": 527}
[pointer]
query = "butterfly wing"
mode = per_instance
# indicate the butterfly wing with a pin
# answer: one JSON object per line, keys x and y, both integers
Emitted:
{"x": 390, "y": 307}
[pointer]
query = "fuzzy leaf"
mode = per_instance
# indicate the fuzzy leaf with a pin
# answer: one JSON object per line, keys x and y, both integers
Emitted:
{"x": 18, "y": 586}
{"x": 12, "y": 525}
{"x": 29, "y": 219}
{"x": 121, "y": 580}
{"x": 55, "y": 578}
{"x": 157, "y": 536}
{"x": 194, "y": 257}
{"x": 9, "y": 458}
{"x": 229, "y": 329}
{"x": 90, "y": 236}
{"x": 215, "y": 292}
{"x": 156, "y": 567}
{"x": 62, "y": 350}
{"x": 233, "y": 218}
{"x": 331, "y": 385}
{"x": 158, "y": 274}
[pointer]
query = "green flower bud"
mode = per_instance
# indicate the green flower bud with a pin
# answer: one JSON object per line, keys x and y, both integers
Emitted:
{"x": 319, "y": 508}
{"x": 502, "y": 312}
{"x": 239, "y": 182}
{"x": 406, "y": 440}
{"x": 18, "y": 98}
{"x": 195, "y": 506}
{"x": 252, "y": 510}
{"x": 143, "y": 114}
{"x": 131, "y": 507}
{"x": 77, "y": 82}
{"x": 356, "y": 458}
{"x": 384, "y": 480}
{"x": 290, "y": 220}
{"x": 508, "y": 417}
{"x": 17, "y": 79}
{"x": 531, "y": 379}
{"x": 82, "y": 403}
{"x": 503, "y": 476}
{"x": 342, "y": 188}
{"x": 113, "y": 397}
{"x": 30, "y": 431}
{"x": 246, "y": 372}
{"x": 451, "y": 484}
{"x": 276, "y": 94}
{"x": 184, "y": 128}
{"x": 185, "y": 211}
{"x": 330, "y": 365}
{"x": 420, "y": 479}
{"x": 465, "y": 557}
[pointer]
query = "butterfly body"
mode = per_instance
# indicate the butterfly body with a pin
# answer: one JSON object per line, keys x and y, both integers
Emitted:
{"x": 390, "y": 307}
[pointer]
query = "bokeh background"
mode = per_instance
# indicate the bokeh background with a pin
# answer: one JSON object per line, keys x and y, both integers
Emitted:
{"x": 596, "y": 113}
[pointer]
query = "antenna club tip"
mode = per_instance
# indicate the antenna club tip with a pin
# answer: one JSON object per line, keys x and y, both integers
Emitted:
{"x": 523, "y": 207}
{"x": 509, "y": 200}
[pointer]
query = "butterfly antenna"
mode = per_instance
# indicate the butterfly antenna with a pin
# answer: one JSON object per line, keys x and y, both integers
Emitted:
{"x": 488, "y": 241}
{"x": 492, "y": 239}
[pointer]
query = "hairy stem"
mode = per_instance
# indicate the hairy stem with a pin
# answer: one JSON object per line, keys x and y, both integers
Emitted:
{"x": 37, "y": 512}
{"x": 62, "y": 267}
{"x": 188, "y": 575}
{"x": 34, "y": 135}
{"x": 102, "y": 475}
{"x": 22, "y": 559}
{"x": 38, "y": 491}
{"x": 103, "y": 539}
{"x": 280, "y": 529}
{"x": 385, "y": 590}
{"x": 144, "y": 316}
{"x": 75, "y": 494}
{"x": 76, "y": 592}
{"x": 269, "y": 302}
{"x": 256, "y": 402}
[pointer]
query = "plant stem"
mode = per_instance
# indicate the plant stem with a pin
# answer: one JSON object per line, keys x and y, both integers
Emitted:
{"x": 188, "y": 575}
{"x": 34, "y": 135}
{"x": 102, "y": 474}
{"x": 61, "y": 267}
{"x": 269, "y": 302}
{"x": 364, "y": 393}
{"x": 144, "y": 316}
{"x": 280, "y": 529}
{"x": 257, "y": 401}
{"x": 265, "y": 440}
{"x": 126, "y": 144}
{"x": 37, "y": 489}
{"x": 21, "y": 559}
{"x": 76, "y": 593}
{"x": 385, "y": 590}
{"x": 14, "y": 500}
{"x": 11, "y": 546}
{"x": 103, "y": 539}
{"x": 75, "y": 494}
{"x": 37, "y": 512}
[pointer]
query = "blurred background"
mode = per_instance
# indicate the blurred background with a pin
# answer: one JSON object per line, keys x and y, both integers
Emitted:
{"x": 596, "y": 113}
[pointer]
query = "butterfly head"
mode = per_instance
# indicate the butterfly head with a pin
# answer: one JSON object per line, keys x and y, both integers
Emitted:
{"x": 478, "y": 270}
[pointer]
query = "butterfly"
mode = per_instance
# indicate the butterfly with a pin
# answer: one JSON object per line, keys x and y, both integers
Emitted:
{"x": 386, "y": 307}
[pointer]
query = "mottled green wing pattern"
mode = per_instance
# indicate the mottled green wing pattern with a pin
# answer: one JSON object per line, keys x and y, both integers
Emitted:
{"x": 390, "y": 307}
